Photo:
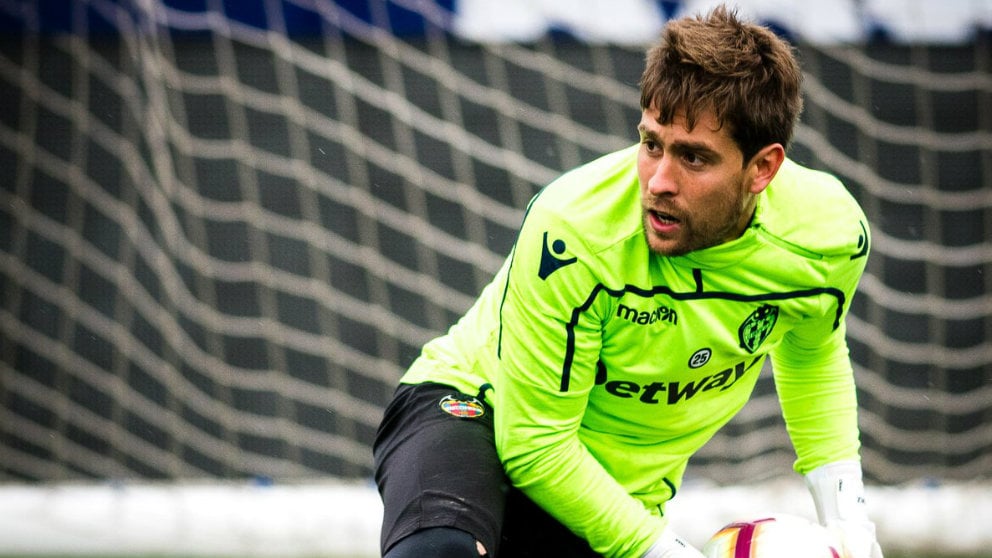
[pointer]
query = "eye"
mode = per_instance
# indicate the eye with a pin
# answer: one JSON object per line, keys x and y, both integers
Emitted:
{"x": 693, "y": 159}
{"x": 650, "y": 145}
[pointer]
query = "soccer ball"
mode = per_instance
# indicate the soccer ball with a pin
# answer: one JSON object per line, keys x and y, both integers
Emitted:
{"x": 774, "y": 536}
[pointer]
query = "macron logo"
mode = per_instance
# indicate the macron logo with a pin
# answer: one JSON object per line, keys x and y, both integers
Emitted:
{"x": 643, "y": 317}
{"x": 550, "y": 262}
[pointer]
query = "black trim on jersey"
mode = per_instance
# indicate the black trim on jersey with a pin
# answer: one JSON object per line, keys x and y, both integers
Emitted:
{"x": 862, "y": 242}
{"x": 506, "y": 285}
{"x": 696, "y": 295}
{"x": 502, "y": 300}
{"x": 671, "y": 488}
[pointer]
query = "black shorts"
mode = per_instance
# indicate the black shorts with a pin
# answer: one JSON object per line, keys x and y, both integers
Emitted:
{"x": 436, "y": 466}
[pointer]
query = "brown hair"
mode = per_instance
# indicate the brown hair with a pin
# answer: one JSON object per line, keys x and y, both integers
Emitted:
{"x": 744, "y": 72}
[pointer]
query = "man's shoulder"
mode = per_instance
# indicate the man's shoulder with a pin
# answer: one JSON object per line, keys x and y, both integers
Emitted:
{"x": 597, "y": 177}
{"x": 814, "y": 212}
{"x": 597, "y": 200}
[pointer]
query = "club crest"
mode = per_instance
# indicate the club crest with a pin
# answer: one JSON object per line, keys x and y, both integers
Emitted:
{"x": 757, "y": 327}
{"x": 462, "y": 406}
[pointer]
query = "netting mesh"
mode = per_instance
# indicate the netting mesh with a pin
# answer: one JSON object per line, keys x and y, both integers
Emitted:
{"x": 221, "y": 243}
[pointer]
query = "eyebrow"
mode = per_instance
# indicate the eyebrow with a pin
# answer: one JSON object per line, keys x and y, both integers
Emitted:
{"x": 682, "y": 146}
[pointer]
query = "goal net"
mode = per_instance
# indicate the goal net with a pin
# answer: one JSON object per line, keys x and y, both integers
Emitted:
{"x": 226, "y": 227}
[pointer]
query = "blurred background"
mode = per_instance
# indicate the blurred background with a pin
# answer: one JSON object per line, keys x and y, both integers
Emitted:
{"x": 226, "y": 228}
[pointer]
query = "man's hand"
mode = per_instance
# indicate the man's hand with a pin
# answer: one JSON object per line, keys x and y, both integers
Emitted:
{"x": 670, "y": 545}
{"x": 839, "y": 495}
{"x": 858, "y": 539}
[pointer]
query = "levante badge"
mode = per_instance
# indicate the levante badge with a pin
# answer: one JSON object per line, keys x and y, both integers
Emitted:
{"x": 462, "y": 406}
{"x": 757, "y": 327}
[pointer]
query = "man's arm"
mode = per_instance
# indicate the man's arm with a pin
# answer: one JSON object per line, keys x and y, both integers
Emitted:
{"x": 812, "y": 367}
{"x": 815, "y": 385}
{"x": 815, "y": 382}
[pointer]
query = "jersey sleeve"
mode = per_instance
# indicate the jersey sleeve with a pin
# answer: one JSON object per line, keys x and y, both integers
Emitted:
{"x": 815, "y": 380}
{"x": 549, "y": 348}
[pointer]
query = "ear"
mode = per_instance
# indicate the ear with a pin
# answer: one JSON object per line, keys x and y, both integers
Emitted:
{"x": 763, "y": 167}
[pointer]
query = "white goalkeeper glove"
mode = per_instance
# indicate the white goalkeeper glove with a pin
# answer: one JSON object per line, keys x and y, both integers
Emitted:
{"x": 670, "y": 545}
{"x": 839, "y": 494}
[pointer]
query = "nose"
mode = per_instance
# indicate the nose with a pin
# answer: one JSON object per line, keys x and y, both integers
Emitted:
{"x": 662, "y": 180}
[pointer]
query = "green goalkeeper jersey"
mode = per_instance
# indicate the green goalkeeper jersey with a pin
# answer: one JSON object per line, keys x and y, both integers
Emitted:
{"x": 610, "y": 365}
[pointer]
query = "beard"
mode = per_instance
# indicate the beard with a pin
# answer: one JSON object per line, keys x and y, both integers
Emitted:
{"x": 722, "y": 219}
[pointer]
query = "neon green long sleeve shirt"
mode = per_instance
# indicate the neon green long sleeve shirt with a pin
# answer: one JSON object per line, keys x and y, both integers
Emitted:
{"x": 611, "y": 365}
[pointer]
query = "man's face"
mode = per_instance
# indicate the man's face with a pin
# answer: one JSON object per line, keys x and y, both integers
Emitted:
{"x": 695, "y": 190}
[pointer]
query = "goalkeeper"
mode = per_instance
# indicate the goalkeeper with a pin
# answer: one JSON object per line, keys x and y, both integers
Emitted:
{"x": 630, "y": 322}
